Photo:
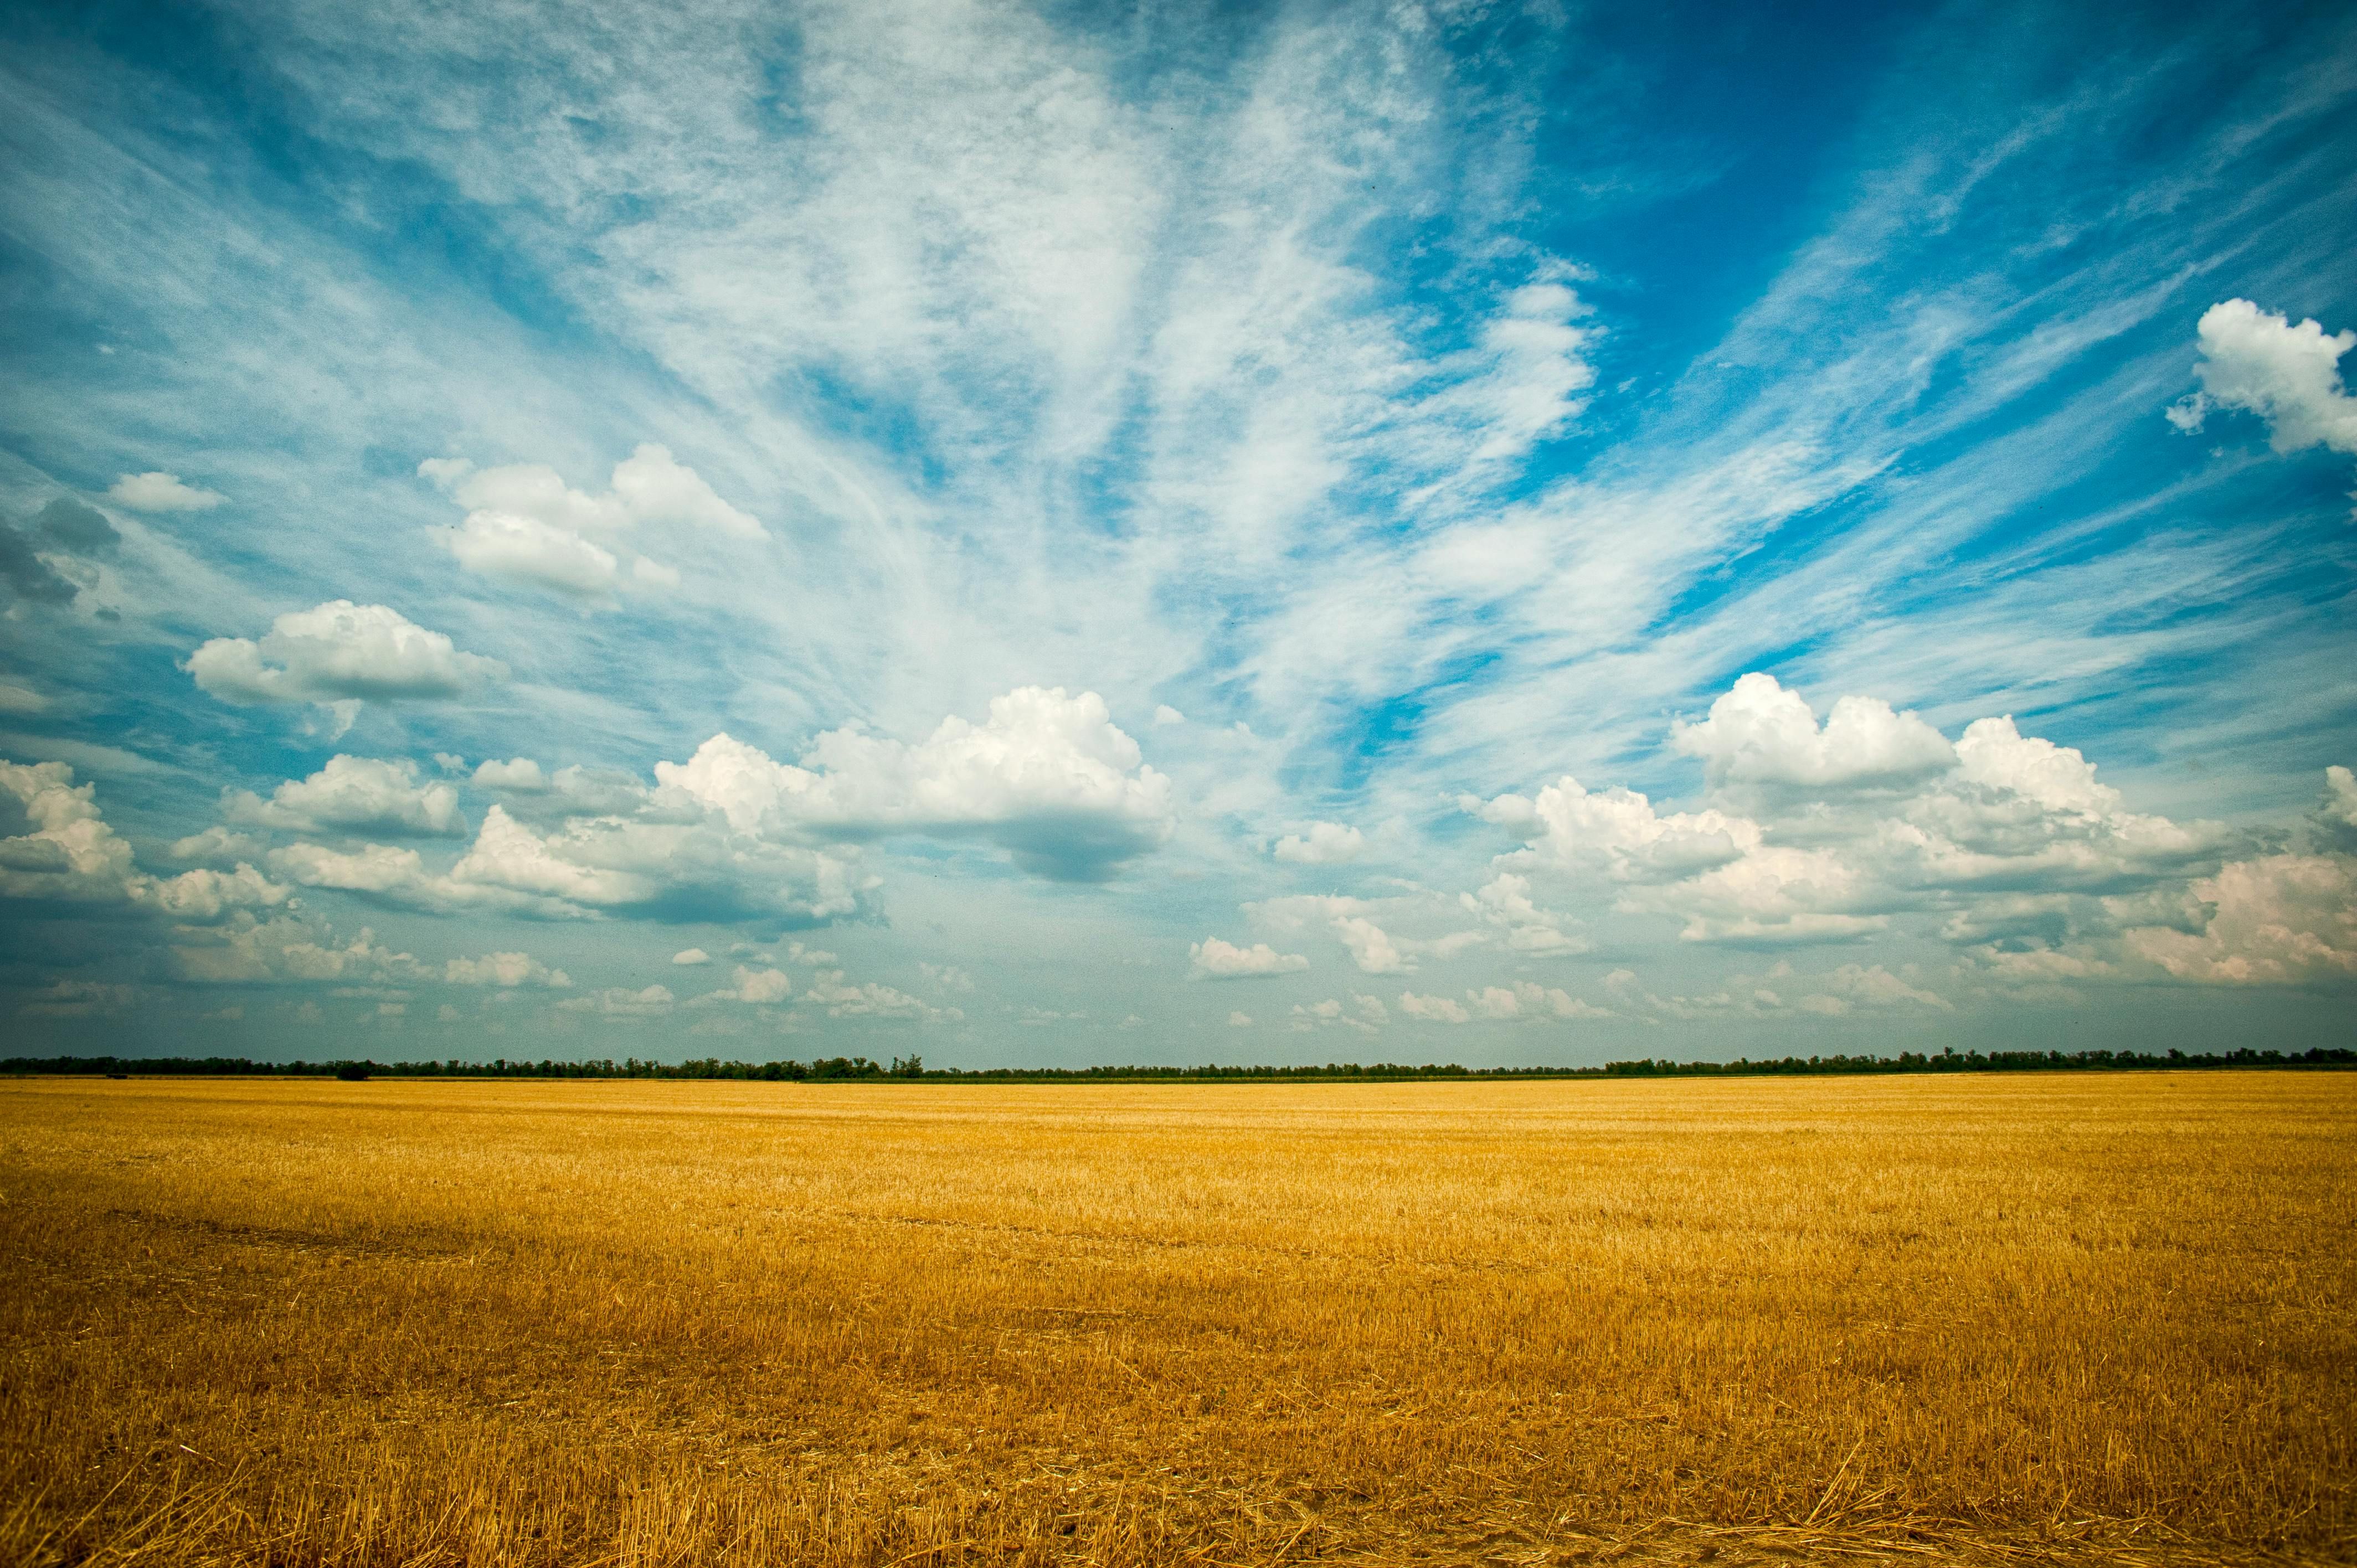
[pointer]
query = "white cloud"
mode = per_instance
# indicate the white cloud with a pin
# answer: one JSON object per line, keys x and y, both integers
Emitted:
{"x": 652, "y": 487}
{"x": 524, "y": 524}
{"x": 620, "y": 1004}
{"x": 524, "y": 550}
{"x": 1373, "y": 946}
{"x": 218, "y": 847}
{"x": 1164, "y": 715}
{"x": 285, "y": 950}
{"x": 948, "y": 976}
{"x": 1239, "y": 1020}
{"x": 1618, "y": 832}
{"x": 2335, "y": 818}
{"x": 532, "y": 790}
{"x": 2258, "y": 362}
{"x": 1760, "y": 732}
{"x": 397, "y": 876}
{"x": 339, "y": 651}
{"x": 1215, "y": 959}
{"x": 686, "y": 870}
{"x": 71, "y": 855}
{"x": 1048, "y": 778}
{"x": 828, "y": 989}
{"x": 1859, "y": 985}
{"x": 689, "y": 958}
{"x": 195, "y": 896}
{"x": 1527, "y": 1002}
{"x": 160, "y": 492}
{"x": 1433, "y": 1009}
{"x": 354, "y": 795}
{"x": 1327, "y": 844}
{"x": 753, "y": 987}
{"x": 1539, "y": 369}
{"x": 2281, "y": 920}
{"x": 520, "y": 775}
{"x": 16, "y": 699}
{"x": 1366, "y": 1015}
{"x": 506, "y": 854}
{"x": 504, "y": 970}
{"x": 1505, "y": 903}
{"x": 2014, "y": 815}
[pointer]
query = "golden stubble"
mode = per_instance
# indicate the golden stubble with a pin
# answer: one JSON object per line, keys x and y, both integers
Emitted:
{"x": 640, "y": 1323}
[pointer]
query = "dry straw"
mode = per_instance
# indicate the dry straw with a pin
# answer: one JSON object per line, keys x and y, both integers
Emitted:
{"x": 620, "y": 1325}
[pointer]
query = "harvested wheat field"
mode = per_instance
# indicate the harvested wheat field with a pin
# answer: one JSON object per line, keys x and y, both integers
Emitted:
{"x": 1983, "y": 1320}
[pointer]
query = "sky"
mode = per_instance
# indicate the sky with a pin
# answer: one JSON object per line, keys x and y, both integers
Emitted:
{"x": 1059, "y": 534}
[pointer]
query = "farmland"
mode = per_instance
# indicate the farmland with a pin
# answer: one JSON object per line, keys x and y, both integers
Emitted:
{"x": 634, "y": 1323}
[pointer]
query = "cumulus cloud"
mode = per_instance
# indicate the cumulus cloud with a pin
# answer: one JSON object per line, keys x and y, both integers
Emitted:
{"x": 1433, "y": 1009}
{"x": 339, "y": 651}
{"x": 161, "y": 492}
{"x": 504, "y": 970}
{"x": 1856, "y": 986}
{"x": 612, "y": 852}
{"x": 216, "y": 845}
{"x": 525, "y": 525}
{"x": 694, "y": 870}
{"x": 391, "y": 874}
{"x": 843, "y": 999}
{"x": 652, "y": 487}
{"x": 1505, "y": 903}
{"x": 1326, "y": 843}
{"x": 689, "y": 958}
{"x": 2009, "y": 817}
{"x": 1373, "y": 946}
{"x": 753, "y": 987}
{"x": 1760, "y": 732}
{"x": 1616, "y": 832}
{"x": 1526, "y": 1002}
{"x": 573, "y": 791}
{"x": 620, "y": 1004}
{"x": 354, "y": 795}
{"x": 525, "y": 550}
{"x": 2278, "y": 921}
{"x": 1215, "y": 959}
{"x": 2257, "y": 362}
{"x": 2335, "y": 818}
{"x": 1239, "y": 1020}
{"x": 285, "y": 950}
{"x": 1048, "y": 778}
{"x": 522, "y": 775}
{"x": 68, "y": 853}
{"x": 1366, "y": 1015}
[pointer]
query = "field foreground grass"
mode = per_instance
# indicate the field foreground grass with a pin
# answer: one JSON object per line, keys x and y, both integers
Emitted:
{"x": 1983, "y": 1320}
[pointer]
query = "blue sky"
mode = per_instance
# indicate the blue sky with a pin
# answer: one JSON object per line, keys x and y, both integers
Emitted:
{"x": 1058, "y": 535}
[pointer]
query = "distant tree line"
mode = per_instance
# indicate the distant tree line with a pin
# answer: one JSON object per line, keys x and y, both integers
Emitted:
{"x": 828, "y": 1070}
